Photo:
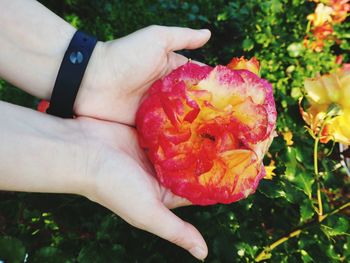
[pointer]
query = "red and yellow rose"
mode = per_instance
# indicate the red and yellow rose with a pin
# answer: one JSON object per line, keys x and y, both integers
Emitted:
{"x": 207, "y": 129}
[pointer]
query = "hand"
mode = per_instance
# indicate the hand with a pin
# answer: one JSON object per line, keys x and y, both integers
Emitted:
{"x": 100, "y": 160}
{"x": 120, "y": 71}
{"x": 121, "y": 179}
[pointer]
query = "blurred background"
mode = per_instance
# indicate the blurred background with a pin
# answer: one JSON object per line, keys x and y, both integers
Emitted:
{"x": 291, "y": 46}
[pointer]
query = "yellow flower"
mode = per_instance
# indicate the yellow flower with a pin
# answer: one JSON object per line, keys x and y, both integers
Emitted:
{"x": 270, "y": 170}
{"x": 339, "y": 128}
{"x": 326, "y": 92}
{"x": 288, "y": 137}
{"x": 322, "y": 15}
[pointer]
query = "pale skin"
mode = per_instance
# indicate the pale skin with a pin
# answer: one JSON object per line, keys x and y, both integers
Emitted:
{"x": 95, "y": 155}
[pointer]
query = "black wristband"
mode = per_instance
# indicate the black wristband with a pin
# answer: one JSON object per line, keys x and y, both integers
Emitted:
{"x": 70, "y": 75}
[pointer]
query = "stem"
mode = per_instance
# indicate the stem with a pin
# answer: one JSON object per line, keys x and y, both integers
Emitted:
{"x": 285, "y": 238}
{"x": 317, "y": 176}
{"x": 337, "y": 210}
{"x": 308, "y": 27}
{"x": 266, "y": 253}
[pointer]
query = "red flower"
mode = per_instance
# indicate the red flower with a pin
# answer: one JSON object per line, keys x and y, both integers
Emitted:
{"x": 206, "y": 131}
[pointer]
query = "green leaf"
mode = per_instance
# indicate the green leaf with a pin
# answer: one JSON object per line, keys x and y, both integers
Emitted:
{"x": 11, "y": 250}
{"x": 335, "y": 226}
{"x": 222, "y": 17}
{"x": 244, "y": 249}
{"x": 296, "y": 92}
{"x": 95, "y": 254}
{"x": 346, "y": 248}
{"x": 248, "y": 44}
{"x": 305, "y": 256}
{"x": 306, "y": 210}
{"x": 332, "y": 253}
{"x": 298, "y": 176}
{"x": 281, "y": 189}
{"x": 295, "y": 50}
{"x": 108, "y": 225}
{"x": 222, "y": 246}
{"x": 304, "y": 181}
{"x": 271, "y": 189}
{"x": 73, "y": 20}
{"x": 49, "y": 255}
{"x": 276, "y": 6}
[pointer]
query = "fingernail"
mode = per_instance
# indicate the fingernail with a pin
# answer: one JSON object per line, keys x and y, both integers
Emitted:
{"x": 206, "y": 31}
{"x": 198, "y": 252}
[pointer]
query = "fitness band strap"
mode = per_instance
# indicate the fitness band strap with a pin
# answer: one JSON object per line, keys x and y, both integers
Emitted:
{"x": 70, "y": 74}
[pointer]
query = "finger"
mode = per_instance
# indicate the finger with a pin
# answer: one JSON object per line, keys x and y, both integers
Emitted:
{"x": 178, "y": 202}
{"x": 171, "y": 200}
{"x": 163, "y": 223}
{"x": 198, "y": 63}
{"x": 177, "y": 38}
{"x": 176, "y": 60}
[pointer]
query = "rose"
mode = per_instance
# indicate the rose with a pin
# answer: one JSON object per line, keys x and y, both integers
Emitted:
{"x": 207, "y": 129}
{"x": 329, "y": 98}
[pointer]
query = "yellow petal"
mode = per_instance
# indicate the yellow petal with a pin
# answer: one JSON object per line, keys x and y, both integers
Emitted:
{"x": 270, "y": 170}
{"x": 323, "y": 90}
{"x": 322, "y": 15}
{"x": 345, "y": 85}
{"x": 339, "y": 128}
{"x": 332, "y": 86}
{"x": 252, "y": 64}
{"x": 316, "y": 93}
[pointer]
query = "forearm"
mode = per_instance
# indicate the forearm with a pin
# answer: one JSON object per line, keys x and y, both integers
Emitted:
{"x": 33, "y": 41}
{"x": 39, "y": 153}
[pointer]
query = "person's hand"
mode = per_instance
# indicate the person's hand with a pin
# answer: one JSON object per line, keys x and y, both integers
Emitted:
{"x": 120, "y": 178}
{"x": 120, "y": 71}
{"x": 97, "y": 159}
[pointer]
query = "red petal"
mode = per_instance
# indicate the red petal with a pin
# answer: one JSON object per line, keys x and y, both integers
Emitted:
{"x": 251, "y": 121}
{"x": 43, "y": 106}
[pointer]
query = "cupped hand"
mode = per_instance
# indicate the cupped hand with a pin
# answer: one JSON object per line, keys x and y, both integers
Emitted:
{"x": 120, "y": 71}
{"x": 120, "y": 178}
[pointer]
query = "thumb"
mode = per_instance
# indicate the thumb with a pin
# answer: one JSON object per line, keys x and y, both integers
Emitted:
{"x": 176, "y": 60}
{"x": 178, "y": 38}
{"x": 163, "y": 223}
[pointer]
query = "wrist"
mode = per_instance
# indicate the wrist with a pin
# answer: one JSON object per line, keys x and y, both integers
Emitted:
{"x": 40, "y": 153}
{"x": 63, "y": 157}
{"x": 92, "y": 83}
{"x": 70, "y": 74}
{"x": 91, "y": 146}
{"x": 102, "y": 92}
{"x": 75, "y": 158}
{"x": 88, "y": 142}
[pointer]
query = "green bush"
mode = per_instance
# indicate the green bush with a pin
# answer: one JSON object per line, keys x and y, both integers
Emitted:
{"x": 63, "y": 228}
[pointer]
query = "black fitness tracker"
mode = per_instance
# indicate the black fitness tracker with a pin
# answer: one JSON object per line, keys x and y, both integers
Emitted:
{"x": 70, "y": 75}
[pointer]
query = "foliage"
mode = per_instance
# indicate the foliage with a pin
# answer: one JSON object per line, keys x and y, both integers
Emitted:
{"x": 63, "y": 228}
